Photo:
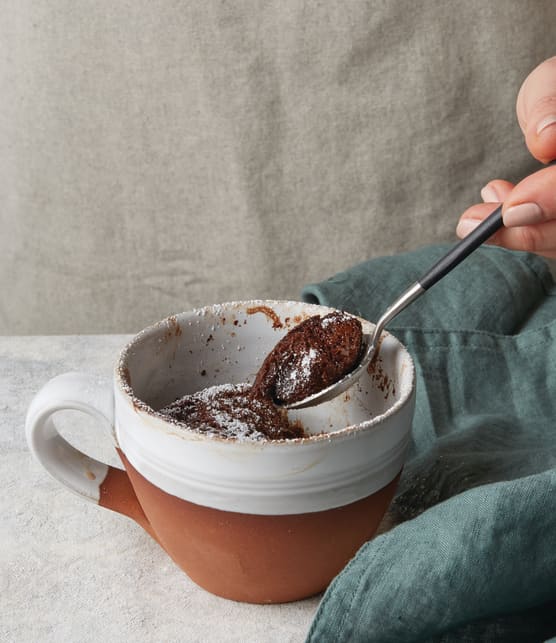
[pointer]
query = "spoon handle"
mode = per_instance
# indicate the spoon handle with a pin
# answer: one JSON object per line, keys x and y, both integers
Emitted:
{"x": 442, "y": 267}
{"x": 462, "y": 249}
{"x": 465, "y": 247}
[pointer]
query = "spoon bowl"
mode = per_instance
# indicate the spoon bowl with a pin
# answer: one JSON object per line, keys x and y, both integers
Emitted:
{"x": 337, "y": 388}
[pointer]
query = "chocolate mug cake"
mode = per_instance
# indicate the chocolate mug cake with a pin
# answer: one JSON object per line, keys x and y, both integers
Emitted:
{"x": 314, "y": 354}
{"x": 257, "y": 520}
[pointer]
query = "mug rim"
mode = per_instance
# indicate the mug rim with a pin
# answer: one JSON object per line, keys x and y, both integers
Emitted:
{"x": 121, "y": 376}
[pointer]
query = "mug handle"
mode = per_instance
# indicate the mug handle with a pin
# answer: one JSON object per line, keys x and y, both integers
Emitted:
{"x": 91, "y": 479}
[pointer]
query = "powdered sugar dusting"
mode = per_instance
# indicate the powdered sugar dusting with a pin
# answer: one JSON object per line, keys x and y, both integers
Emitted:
{"x": 228, "y": 411}
{"x": 334, "y": 318}
{"x": 298, "y": 376}
{"x": 308, "y": 360}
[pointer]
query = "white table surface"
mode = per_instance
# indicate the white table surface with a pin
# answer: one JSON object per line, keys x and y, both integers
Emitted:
{"x": 72, "y": 571}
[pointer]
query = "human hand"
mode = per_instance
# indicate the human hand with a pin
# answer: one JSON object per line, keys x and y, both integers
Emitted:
{"x": 529, "y": 208}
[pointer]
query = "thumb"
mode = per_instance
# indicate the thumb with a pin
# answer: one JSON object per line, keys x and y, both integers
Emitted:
{"x": 536, "y": 111}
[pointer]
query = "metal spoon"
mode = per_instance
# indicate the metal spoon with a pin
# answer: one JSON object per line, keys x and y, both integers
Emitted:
{"x": 440, "y": 269}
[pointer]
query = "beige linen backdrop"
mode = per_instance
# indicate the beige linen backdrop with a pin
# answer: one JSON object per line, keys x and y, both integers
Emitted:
{"x": 156, "y": 156}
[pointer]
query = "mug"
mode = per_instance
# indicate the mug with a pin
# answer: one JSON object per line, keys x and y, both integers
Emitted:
{"x": 258, "y": 521}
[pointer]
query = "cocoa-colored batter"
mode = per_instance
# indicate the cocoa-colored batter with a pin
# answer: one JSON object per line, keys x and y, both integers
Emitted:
{"x": 230, "y": 411}
{"x": 314, "y": 354}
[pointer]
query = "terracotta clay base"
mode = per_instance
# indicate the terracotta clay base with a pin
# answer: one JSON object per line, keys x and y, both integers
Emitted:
{"x": 247, "y": 557}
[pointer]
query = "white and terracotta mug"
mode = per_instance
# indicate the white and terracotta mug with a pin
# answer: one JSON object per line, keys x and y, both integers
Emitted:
{"x": 255, "y": 521}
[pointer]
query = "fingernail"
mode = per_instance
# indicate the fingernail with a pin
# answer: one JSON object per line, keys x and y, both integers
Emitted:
{"x": 488, "y": 195}
{"x": 547, "y": 121}
{"x": 523, "y": 214}
{"x": 465, "y": 226}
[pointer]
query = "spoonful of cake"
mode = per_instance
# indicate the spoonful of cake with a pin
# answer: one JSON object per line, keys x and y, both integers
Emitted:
{"x": 312, "y": 357}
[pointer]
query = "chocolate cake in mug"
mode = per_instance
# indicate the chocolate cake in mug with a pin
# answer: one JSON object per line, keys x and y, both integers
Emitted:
{"x": 251, "y": 520}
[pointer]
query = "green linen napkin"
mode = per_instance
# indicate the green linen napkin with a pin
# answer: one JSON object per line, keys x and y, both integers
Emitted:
{"x": 471, "y": 555}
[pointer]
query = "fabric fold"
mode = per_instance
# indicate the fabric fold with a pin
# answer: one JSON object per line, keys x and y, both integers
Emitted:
{"x": 468, "y": 544}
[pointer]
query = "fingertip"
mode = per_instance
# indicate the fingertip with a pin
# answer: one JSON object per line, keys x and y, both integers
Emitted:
{"x": 471, "y": 218}
{"x": 496, "y": 191}
{"x": 465, "y": 226}
{"x": 523, "y": 214}
{"x": 541, "y": 137}
{"x": 488, "y": 194}
{"x": 545, "y": 123}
